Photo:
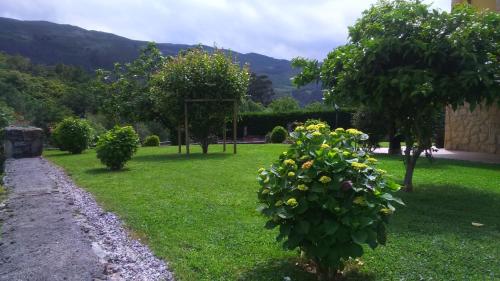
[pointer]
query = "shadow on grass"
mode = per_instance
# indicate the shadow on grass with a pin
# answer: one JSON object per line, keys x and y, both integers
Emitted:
{"x": 430, "y": 210}
{"x": 181, "y": 157}
{"x": 434, "y": 209}
{"x": 441, "y": 163}
{"x": 279, "y": 269}
{"x": 103, "y": 170}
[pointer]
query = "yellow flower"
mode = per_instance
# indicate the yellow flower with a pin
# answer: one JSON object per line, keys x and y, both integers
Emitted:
{"x": 382, "y": 171}
{"x": 333, "y": 134}
{"x": 289, "y": 162}
{"x": 339, "y": 130}
{"x": 353, "y": 132}
{"x": 291, "y": 174}
{"x": 316, "y": 134}
{"x": 346, "y": 153}
{"x": 261, "y": 170}
{"x": 371, "y": 160}
{"x": 359, "y": 200}
{"x": 265, "y": 191}
{"x": 304, "y": 157}
{"x": 307, "y": 164}
{"x": 312, "y": 128}
{"x": 359, "y": 166}
{"x": 292, "y": 202}
{"x": 299, "y": 128}
{"x": 278, "y": 203}
{"x": 325, "y": 179}
{"x": 321, "y": 125}
{"x": 386, "y": 211}
{"x": 325, "y": 146}
{"x": 302, "y": 187}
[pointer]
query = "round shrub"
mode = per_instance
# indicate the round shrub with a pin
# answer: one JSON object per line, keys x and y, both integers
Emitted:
{"x": 278, "y": 134}
{"x": 327, "y": 197}
{"x": 152, "y": 140}
{"x": 116, "y": 146}
{"x": 73, "y": 135}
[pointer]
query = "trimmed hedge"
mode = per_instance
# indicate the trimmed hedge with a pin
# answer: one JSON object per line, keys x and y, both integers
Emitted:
{"x": 260, "y": 123}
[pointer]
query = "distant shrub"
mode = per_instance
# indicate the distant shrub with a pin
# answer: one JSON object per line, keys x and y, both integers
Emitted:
{"x": 152, "y": 140}
{"x": 73, "y": 135}
{"x": 278, "y": 134}
{"x": 327, "y": 197}
{"x": 117, "y": 146}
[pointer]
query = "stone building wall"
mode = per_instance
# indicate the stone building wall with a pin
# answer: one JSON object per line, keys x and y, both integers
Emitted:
{"x": 477, "y": 131}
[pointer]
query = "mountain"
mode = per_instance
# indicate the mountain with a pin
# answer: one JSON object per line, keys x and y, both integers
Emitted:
{"x": 50, "y": 43}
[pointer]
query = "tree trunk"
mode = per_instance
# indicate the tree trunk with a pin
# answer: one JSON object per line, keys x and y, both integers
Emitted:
{"x": 204, "y": 146}
{"x": 411, "y": 157}
{"x": 408, "y": 181}
{"x": 394, "y": 142}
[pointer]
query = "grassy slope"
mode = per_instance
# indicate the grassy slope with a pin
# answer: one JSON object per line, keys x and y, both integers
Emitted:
{"x": 199, "y": 214}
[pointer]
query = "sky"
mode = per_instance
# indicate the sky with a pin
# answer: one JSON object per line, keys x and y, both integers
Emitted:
{"x": 277, "y": 28}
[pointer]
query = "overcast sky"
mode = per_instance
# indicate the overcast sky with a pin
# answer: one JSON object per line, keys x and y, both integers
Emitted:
{"x": 277, "y": 28}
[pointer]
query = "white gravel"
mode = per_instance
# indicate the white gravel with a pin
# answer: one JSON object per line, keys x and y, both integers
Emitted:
{"x": 124, "y": 258}
{"x": 54, "y": 230}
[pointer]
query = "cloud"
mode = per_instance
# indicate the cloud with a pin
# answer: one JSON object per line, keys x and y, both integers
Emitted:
{"x": 278, "y": 28}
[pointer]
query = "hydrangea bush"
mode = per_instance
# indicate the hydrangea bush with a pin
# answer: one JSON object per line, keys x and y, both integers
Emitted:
{"x": 327, "y": 196}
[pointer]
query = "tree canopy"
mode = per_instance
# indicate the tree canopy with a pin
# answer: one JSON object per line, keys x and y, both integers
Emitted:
{"x": 408, "y": 62}
{"x": 197, "y": 74}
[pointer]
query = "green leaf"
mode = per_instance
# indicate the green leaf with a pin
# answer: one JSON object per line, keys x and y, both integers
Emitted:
{"x": 271, "y": 224}
{"x": 330, "y": 227}
{"x": 359, "y": 236}
{"x": 303, "y": 227}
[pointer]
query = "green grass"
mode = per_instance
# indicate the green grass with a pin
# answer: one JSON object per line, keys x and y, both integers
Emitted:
{"x": 199, "y": 214}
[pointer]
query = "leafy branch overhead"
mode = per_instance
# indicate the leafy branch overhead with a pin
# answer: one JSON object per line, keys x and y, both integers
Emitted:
{"x": 409, "y": 61}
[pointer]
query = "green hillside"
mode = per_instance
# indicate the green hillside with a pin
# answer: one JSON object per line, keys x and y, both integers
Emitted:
{"x": 49, "y": 43}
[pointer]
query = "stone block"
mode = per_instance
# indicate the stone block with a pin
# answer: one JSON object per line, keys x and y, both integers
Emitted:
{"x": 20, "y": 142}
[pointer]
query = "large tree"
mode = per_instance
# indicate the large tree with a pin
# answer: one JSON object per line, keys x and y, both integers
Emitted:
{"x": 284, "y": 104}
{"x": 126, "y": 88}
{"x": 409, "y": 62}
{"x": 197, "y": 74}
{"x": 261, "y": 89}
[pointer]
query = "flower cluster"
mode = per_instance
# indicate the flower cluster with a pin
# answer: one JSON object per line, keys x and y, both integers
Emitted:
{"x": 326, "y": 195}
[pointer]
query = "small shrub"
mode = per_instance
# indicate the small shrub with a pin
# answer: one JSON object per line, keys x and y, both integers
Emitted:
{"x": 73, "y": 135}
{"x": 278, "y": 134}
{"x": 117, "y": 146}
{"x": 327, "y": 197}
{"x": 152, "y": 140}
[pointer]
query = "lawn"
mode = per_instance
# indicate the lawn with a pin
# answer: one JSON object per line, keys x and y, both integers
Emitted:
{"x": 198, "y": 213}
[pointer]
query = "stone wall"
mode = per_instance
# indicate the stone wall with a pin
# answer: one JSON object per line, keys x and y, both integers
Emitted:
{"x": 477, "y": 131}
{"x": 22, "y": 142}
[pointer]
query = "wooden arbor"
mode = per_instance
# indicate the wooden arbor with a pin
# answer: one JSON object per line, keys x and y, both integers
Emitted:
{"x": 186, "y": 124}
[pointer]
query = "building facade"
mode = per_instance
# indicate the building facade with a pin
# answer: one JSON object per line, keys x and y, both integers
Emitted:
{"x": 479, "y": 130}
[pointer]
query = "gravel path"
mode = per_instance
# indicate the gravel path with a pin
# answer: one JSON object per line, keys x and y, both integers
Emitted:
{"x": 53, "y": 230}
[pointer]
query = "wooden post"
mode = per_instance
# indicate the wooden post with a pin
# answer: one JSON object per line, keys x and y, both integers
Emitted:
{"x": 179, "y": 138}
{"x": 224, "y": 136}
{"x": 235, "y": 109}
{"x": 186, "y": 128}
